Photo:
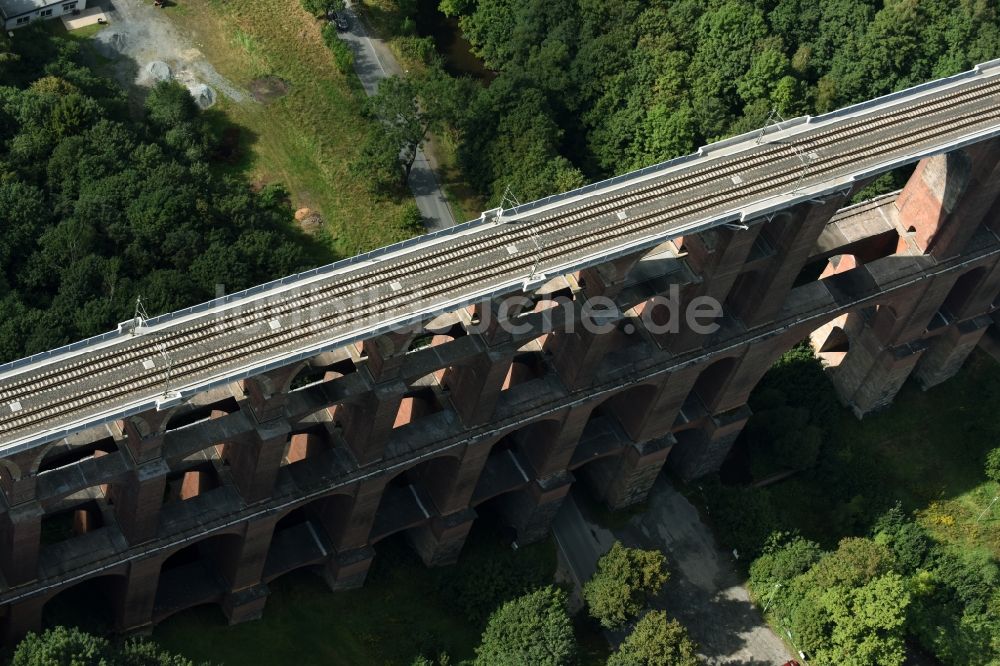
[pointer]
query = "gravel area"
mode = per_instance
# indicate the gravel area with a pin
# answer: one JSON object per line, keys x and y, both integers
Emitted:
{"x": 140, "y": 34}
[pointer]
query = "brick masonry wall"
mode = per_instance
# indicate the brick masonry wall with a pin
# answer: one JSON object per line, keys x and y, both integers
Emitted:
{"x": 413, "y": 431}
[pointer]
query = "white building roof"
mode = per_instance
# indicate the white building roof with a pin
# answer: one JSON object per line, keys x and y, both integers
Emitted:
{"x": 12, "y": 8}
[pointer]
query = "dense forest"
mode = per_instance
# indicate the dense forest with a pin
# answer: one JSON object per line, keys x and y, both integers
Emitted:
{"x": 838, "y": 560}
{"x": 589, "y": 88}
{"x": 103, "y": 199}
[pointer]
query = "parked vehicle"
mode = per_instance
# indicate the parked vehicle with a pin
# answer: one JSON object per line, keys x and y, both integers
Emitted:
{"x": 338, "y": 20}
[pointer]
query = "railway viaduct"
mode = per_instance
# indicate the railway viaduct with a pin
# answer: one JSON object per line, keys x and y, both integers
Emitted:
{"x": 195, "y": 457}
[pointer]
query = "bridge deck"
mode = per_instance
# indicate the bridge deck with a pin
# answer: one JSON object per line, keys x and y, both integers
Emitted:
{"x": 99, "y": 380}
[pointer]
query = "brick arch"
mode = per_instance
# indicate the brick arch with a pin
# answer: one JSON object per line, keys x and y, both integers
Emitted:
{"x": 508, "y": 460}
{"x": 418, "y": 402}
{"x": 196, "y": 574}
{"x": 96, "y": 600}
{"x": 962, "y": 292}
{"x": 413, "y": 495}
{"x": 193, "y": 412}
{"x": 440, "y": 366}
{"x": 524, "y": 366}
{"x": 713, "y": 379}
{"x": 9, "y": 470}
{"x": 59, "y": 453}
{"x": 610, "y": 421}
{"x": 151, "y": 422}
{"x": 629, "y": 404}
{"x": 305, "y": 535}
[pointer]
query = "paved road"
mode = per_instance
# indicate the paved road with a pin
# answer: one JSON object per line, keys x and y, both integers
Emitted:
{"x": 704, "y": 591}
{"x": 373, "y": 61}
{"x": 581, "y": 542}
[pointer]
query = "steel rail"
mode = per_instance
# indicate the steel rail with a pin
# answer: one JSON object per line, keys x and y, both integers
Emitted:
{"x": 112, "y": 359}
{"x": 234, "y": 320}
{"x": 245, "y": 348}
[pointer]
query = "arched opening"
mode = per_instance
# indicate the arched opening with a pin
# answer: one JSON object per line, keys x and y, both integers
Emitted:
{"x": 687, "y": 452}
{"x": 316, "y": 372}
{"x": 194, "y": 575}
{"x": 524, "y": 367}
{"x": 186, "y": 484}
{"x": 712, "y": 381}
{"x": 445, "y": 334}
{"x": 831, "y": 342}
{"x": 504, "y": 470}
{"x": 416, "y": 404}
{"x": 92, "y": 605}
{"x": 536, "y": 439}
{"x": 554, "y": 293}
{"x": 630, "y": 407}
{"x": 84, "y": 517}
{"x": 191, "y": 414}
{"x": 960, "y": 295}
{"x": 305, "y": 535}
{"x": 601, "y": 437}
{"x": 306, "y": 445}
{"x": 433, "y": 338}
{"x": 64, "y": 454}
{"x": 658, "y": 268}
{"x": 413, "y": 496}
{"x": 513, "y": 458}
{"x": 742, "y": 294}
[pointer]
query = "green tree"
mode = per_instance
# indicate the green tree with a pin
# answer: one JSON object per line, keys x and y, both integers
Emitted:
{"x": 454, "y": 7}
{"x": 169, "y": 104}
{"x": 993, "y": 465}
{"x": 532, "y": 629}
{"x": 402, "y": 117}
{"x": 856, "y": 562}
{"x": 784, "y": 558}
{"x": 623, "y": 583}
{"x": 656, "y": 641}
{"x": 868, "y": 623}
{"x": 909, "y": 542}
{"x": 61, "y": 646}
{"x": 377, "y": 165}
{"x": 146, "y": 653}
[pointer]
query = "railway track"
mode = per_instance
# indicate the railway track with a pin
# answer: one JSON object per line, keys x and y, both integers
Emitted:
{"x": 565, "y": 232}
{"x": 113, "y": 359}
{"x": 632, "y": 198}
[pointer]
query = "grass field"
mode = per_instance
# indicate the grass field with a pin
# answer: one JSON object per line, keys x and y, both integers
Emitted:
{"x": 403, "y": 610}
{"x": 306, "y": 138}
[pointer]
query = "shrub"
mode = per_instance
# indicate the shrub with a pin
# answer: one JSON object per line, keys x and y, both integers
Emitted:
{"x": 411, "y": 219}
{"x": 315, "y": 7}
{"x": 784, "y": 558}
{"x": 343, "y": 57}
{"x": 908, "y": 541}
